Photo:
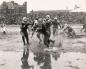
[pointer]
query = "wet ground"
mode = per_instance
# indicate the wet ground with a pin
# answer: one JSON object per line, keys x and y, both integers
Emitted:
{"x": 69, "y": 53}
{"x": 69, "y": 60}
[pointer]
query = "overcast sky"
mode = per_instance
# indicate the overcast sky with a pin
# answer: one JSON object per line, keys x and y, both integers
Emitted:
{"x": 52, "y": 4}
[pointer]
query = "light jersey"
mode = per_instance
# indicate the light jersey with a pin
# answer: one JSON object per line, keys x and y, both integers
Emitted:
{"x": 35, "y": 22}
{"x": 38, "y": 24}
{"x": 4, "y": 29}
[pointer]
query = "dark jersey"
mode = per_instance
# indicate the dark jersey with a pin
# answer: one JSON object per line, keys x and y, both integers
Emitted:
{"x": 69, "y": 29}
{"x": 39, "y": 25}
{"x": 46, "y": 27}
{"x": 48, "y": 23}
{"x": 24, "y": 27}
{"x": 56, "y": 24}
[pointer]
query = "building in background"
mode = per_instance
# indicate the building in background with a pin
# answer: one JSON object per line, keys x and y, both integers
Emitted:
{"x": 12, "y": 12}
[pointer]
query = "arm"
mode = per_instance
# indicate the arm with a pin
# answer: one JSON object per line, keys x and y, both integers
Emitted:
{"x": 64, "y": 28}
{"x": 59, "y": 25}
{"x": 21, "y": 30}
{"x": 29, "y": 23}
{"x": 20, "y": 27}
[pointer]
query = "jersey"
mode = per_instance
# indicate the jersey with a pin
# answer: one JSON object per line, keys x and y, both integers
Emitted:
{"x": 69, "y": 29}
{"x": 48, "y": 23}
{"x": 35, "y": 24}
{"x": 56, "y": 24}
{"x": 24, "y": 27}
{"x": 39, "y": 26}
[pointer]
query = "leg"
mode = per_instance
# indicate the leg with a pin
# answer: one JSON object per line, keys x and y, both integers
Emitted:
{"x": 32, "y": 34}
{"x": 49, "y": 35}
{"x": 24, "y": 59}
{"x": 46, "y": 38}
{"x": 23, "y": 38}
{"x": 27, "y": 39}
{"x": 4, "y": 32}
{"x": 46, "y": 41}
{"x": 26, "y": 53}
{"x": 54, "y": 31}
{"x": 38, "y": 35}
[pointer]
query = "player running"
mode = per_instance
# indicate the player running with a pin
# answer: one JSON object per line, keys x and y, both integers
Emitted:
{"x": 47, "y": 31}
{"x": 23, "y": 30}
{"x": 56, "y": 24}
{"x": 69, "y": 31}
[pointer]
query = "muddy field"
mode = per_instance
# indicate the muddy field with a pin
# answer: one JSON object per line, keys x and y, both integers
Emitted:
{"x": 70, "y": 53}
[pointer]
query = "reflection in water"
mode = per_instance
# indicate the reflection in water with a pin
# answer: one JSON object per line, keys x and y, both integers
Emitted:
{"x": 27, "y": 67}
{"x": 24, "y": 60}
{"x": 56, "y": 55}
{"x": 43, "y": 58}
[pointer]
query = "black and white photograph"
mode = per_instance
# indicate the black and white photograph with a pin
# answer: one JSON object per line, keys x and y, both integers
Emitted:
{"x": 42, "y": 34}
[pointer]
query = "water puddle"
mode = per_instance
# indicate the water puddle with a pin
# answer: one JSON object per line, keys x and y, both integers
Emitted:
{"x": 48, "y": 60}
